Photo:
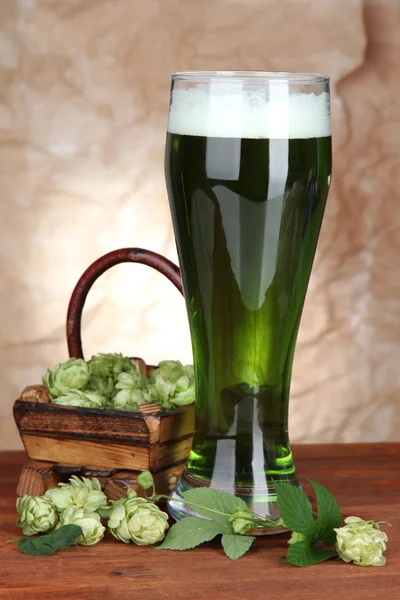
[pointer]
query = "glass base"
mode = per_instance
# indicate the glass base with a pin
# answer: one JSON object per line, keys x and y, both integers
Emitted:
{"x": 261, "y": 502}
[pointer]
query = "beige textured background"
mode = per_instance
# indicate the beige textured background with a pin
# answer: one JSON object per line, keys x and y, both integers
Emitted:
{"x": 83, "y": 106}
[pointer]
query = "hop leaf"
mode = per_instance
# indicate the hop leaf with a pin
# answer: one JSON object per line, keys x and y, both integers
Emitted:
{"x": 72, "y": 374}
{"x": 214, "y": 504}
{"x": 307, "y": 533}
{"x": 44, "y": 545}
{"x": 191, "y": 532}
{"x": 37, "y": 514}
{"x": 361, "y": 542}
{"x": 136, "y": 520}
{"x": 236, "y": 546}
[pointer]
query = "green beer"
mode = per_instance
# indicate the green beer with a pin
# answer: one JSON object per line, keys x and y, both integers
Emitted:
{"x": 247, "y": 210}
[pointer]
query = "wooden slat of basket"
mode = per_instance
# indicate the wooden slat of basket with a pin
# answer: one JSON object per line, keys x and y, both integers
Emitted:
{"x": 35, "y": 393}
{"x": 104, "y": 455}
{"x": 149, "y": 409}
{"x": 110, "y": 426}
{"x": 33, "y": 418}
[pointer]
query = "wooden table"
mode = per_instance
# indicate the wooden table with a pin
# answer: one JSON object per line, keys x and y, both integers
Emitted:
{"x": 365, "y": 478}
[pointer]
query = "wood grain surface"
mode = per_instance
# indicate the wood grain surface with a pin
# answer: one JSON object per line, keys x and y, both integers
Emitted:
{"x": 35, "y": 418}
{"x": 364, "y": 477}
{"x": 106, "y": 439}
{"x": 107, "y": 455}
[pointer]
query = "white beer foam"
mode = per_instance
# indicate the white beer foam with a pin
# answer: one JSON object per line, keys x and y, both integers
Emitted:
{"x": 218, "y": 110}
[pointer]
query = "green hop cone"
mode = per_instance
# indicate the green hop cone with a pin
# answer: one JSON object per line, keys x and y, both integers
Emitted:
{"x": 296, "y": 537}
{"x": 161, "y": 391}
{"x": 136, "y": 520}
{"x": 60, "y": 498}
{"x": 72, "y": 374}
{"x": 184, "y": 397}
{"x": 145, "y": 480}
{"x": 37, "y": 515}
{"x": 132, "y": 391}
{"x": 92, "y": 484}
{"x": 102, "y": 387}
{"x": 81, "y": 493}
{"x": 242, "y": 520}
{"x": 83, "y": 399}
{"x": 93, "y": 530}
{"x": 361, "y": 542}
{"x": 172, "y": 384}
{"x": 109, "y": 366}
{"x": 105, "y": 369}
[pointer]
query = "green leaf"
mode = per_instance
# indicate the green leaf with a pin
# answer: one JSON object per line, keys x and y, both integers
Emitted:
{"x": 236, "y": 545}
{"x": 296, "y": 512}
{"x": 305, "y": 553}
{"x": 295, "y": 509}
{"x": 329, "y": 515}
{"x": 45, "y": 545}
{"x": 34, "y": 546}
{"x": 63, "y": 537}
{"x": 210, "y": 503}
{"x": 191, "y": 532}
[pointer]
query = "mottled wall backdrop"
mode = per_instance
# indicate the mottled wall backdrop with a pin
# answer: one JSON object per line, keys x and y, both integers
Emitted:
{"x": 83, "y": 108}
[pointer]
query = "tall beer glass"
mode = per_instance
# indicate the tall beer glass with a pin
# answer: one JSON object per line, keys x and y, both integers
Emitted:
{"x": 248, "y": 167}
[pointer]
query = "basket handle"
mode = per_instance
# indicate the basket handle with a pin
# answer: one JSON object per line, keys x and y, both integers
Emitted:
{"x": 96, "y": 269}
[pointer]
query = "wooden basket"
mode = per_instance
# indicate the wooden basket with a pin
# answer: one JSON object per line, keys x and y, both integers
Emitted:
{"x": 114, "y": 446}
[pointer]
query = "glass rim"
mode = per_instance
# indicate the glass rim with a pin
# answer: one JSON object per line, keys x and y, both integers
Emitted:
{"x": 305, "y": 78}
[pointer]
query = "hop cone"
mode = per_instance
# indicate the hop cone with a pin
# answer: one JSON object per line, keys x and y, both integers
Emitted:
{"x": 172, "y": 384}
{"x": 132, "y": 391}
{"x": 81, "y": 493}
{"x": 72, "y": 374}
{"x": 242, "y": 520}
{"x": 136, "y": 520}
{"x": 83, "y": 399}
{"x": 361, "y": 542}
{"x": 93, "y": 530}
{"x": 36, "y": 514}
